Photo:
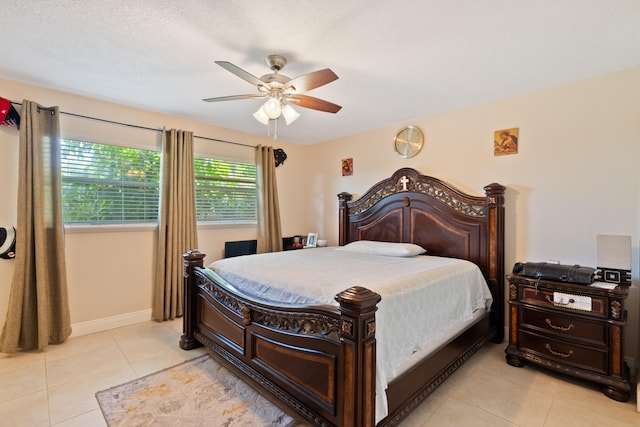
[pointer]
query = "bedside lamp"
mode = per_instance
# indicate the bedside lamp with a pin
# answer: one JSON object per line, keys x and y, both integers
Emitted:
{"x": 614, "y": 258}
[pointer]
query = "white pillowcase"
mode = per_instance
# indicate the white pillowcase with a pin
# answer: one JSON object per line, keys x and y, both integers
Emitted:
{"x": 383, "y": 248}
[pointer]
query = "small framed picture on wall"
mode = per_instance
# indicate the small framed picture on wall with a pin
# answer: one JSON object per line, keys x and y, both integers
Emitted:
{"x": 347, "y": 166}
{"x": 505, "y": 141}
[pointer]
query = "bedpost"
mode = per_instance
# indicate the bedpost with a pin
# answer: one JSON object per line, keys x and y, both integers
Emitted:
{"x": 495, "y": 215}
{"x": 358, "y": 306}
{"x": 192, "y": 259}
{"x": 343, "y": 215}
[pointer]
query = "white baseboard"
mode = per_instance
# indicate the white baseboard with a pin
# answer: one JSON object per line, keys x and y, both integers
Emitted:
{"x": 99, "y": 325}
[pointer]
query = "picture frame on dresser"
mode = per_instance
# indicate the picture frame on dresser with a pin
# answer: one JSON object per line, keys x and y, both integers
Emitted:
{"x": 312, "y": 240}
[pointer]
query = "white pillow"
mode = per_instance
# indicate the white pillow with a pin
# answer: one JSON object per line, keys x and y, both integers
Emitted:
{"x": 383, "y": 248}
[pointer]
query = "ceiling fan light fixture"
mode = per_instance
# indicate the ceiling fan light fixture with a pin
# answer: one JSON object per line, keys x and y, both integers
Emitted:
{"x": 290, "y": 115}
{"x": 261, "y": 116}
{"x": 279, "y": 91}
{"x": 272, "y": 108}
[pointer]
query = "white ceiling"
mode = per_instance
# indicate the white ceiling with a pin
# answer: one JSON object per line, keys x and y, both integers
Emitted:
{"x": 397, "y": 60}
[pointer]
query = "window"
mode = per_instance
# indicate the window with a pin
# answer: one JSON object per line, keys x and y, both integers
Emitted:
{"x": 225, "y": 191}
{"x": 107, "y": 184}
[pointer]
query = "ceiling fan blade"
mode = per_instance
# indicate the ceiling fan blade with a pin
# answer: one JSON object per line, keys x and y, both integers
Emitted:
{"x": 233, "y": 98}
{"x": 240, "y": 73}
{"x": 312, "y": 80}
{"x": 307, "y": 101}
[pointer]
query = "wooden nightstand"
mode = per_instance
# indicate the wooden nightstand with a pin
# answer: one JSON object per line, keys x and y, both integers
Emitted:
{"x": 547, "y": 329}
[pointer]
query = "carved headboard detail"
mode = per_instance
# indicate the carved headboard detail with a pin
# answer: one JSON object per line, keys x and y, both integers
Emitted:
{"x": 413, "y": 208}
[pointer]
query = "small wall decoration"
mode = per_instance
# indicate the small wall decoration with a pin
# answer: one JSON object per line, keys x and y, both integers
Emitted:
{"x": 505, "y": 141}
{"x": 347, "y": 167}
{"x": 408, "y": 141}
{"x": 7, "y": 242}
{"x": 280, "y": 156}
{"x": 9, "y": 116}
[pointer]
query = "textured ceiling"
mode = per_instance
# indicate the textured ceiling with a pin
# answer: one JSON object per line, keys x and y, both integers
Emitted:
{"x": 397, "y": 60}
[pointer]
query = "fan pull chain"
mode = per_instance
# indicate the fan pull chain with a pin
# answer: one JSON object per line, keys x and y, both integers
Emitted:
{"x": 275, "y": 128}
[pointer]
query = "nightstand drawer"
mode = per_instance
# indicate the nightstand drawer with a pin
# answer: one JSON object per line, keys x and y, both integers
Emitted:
{"x": 565, "y": 326}
{"x": 566, "y": 353}
{"x": 544, "y": 297}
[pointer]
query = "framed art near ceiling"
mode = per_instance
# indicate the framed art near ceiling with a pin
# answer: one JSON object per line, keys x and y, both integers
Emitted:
{"x": 505, "y": 141}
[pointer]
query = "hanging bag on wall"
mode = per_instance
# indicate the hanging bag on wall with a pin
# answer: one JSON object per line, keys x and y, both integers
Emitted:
{"x": 9, "y": 116}
{"x": 7, "y": 242}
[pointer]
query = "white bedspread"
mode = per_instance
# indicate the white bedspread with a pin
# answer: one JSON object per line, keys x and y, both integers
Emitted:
{"x": 434, "y": 292}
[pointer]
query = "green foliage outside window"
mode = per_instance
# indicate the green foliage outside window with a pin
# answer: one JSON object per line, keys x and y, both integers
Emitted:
{"x": 107, "y": 184}
{"x": 225, "y": 191}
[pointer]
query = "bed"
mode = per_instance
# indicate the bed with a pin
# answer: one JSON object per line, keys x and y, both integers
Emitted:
{"x": 320, "y": 359}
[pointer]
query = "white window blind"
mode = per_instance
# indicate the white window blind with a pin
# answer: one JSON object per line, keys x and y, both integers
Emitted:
{"x": 107, "y": 184}
{"x": 225, "y": 190}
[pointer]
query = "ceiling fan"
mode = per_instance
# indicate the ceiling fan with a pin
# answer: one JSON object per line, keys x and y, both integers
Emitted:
{"x": 281, "y": 91}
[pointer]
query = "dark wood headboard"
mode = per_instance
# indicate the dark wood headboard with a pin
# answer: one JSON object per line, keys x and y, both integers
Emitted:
{"x": 413, "y": 208}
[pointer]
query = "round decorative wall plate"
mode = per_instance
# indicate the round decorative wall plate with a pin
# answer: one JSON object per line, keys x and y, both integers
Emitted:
{"x": 408, "y": 142}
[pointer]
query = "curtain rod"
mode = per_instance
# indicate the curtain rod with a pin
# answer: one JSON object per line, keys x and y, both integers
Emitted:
{"x": 143, "y": 127}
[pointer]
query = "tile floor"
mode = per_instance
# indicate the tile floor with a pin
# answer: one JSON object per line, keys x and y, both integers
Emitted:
{"x": 57, "y": 387}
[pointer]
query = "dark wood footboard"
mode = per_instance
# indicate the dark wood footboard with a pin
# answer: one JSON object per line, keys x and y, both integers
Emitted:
{"x": 318, "y": 360}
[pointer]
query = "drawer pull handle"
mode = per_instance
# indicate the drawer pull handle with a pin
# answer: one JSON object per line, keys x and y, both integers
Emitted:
{"x": 559, "y": 328}
{"x": 557, "y": 353}
{"x": 571, "y": 301}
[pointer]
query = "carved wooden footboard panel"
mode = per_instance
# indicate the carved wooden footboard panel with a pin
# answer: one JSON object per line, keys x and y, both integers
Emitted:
{"x": 318, "y": 360}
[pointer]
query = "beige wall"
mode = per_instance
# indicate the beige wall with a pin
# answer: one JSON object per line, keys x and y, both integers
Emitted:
{"x": 577, "y": 173}
{"x": 110, "y": 270}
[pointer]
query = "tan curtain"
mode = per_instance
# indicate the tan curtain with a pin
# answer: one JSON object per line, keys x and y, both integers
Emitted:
{"x": 177, "y": 231}
{"x": 269, "y": 229}
{"x": 38, "y": 312}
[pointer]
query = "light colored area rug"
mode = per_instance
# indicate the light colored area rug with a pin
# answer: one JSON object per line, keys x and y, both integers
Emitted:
{"x": 199, "y": 392}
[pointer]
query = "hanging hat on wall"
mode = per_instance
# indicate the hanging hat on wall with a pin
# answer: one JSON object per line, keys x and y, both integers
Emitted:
{"x": 9, "y": 116}
{"x": 7, "y": 242}
{"x": 280, "y": 156}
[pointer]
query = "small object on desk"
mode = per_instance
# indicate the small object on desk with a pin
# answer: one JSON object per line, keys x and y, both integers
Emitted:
{"x": 612, "y": 275}
{"x": 557, "y": 272}
{"x": 577, "y": 302}
{"x": 322, "y": 243}
{"x": 311, "y": 240}
{"x": 604, "y": 285}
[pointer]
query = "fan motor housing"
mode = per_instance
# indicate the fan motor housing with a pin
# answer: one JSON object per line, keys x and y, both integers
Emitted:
{"x": 276, "y": 62}
{"x": 278, "y": 79}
